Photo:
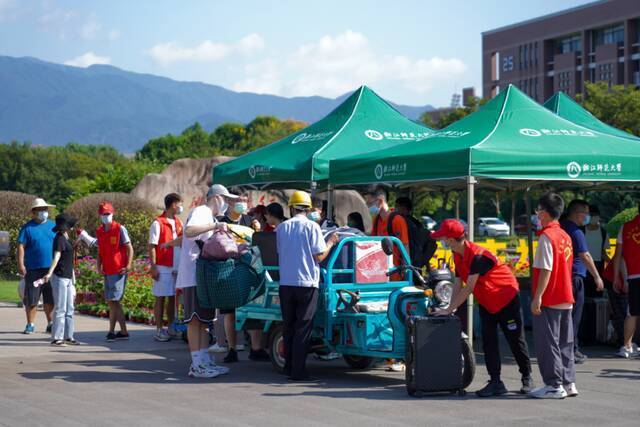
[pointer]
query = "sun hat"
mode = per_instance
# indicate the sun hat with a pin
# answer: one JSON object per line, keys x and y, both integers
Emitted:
{"x": 40, "y": 203}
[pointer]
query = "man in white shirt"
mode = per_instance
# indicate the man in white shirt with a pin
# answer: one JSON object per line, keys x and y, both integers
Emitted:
{"x": 200, "y": 225}
{"x": 598, "y": 244}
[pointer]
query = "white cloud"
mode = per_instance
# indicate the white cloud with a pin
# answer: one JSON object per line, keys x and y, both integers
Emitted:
{"x": 91, "y": 28}
{"x": 171, "y": 52}
{"x": 88, "y": 59}
{"x": 70, "y": 24}
{"x": 337, "y": 64}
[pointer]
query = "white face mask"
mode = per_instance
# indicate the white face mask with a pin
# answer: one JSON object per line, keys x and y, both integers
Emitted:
{"x": 180, "y": 209}
{"x": 106, "y": 219}
{"x": 43, "y": 215}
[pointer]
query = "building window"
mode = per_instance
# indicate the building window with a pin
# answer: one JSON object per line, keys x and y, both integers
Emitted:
{"x": 520, "y": 57}
{"x": 526, "y": 56}
{"x": 608, "y": 35}
{"x": 568, "y": 44}
{"x": 535, "y": 53}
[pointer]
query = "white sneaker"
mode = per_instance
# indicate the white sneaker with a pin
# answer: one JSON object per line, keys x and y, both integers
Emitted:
{"x": 548, "y": 392}
{"x": 216, "y": 348}
{"x": 396, "y": 367}
{"x": 571, "y": 390}
{"x": 172, "y": 332}
{"x": 240, "y": 347}
{"x": 202, "y": 372}
{"x": 161, "y": 335}
{"x": 222, "y": 370}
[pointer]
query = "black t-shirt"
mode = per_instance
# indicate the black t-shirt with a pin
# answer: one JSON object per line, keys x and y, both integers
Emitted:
{"x": 243, "y": 220}
{"x": 65, "y": 264}
{"x": 481, "y": 265}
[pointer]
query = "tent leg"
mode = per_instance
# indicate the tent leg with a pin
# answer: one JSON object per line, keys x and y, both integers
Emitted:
{"x": 471, "y": 183}
{"x": 330, "y": 202}
{"x": 527, "y": 202}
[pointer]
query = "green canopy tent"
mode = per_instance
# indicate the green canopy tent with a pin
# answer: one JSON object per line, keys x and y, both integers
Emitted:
{"x": 564, "y": 106}
{"x": 511, "y": 141}
{"x": 363, "y": 123}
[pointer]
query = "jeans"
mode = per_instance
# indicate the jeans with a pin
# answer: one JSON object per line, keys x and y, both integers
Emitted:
{"x": 64, "y": 293}
{"x": 578, "y": 307}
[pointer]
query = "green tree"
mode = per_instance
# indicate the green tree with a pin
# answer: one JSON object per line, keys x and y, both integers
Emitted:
{"x": 618, "y": 106}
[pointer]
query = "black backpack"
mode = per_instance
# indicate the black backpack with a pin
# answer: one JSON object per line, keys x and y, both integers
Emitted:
{"x": 421, "y": 245}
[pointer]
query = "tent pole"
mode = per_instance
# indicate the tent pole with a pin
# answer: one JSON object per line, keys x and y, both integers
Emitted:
{"x": 471, "y": 183}
{"x": 527, "y": 201}
{"x": 330, "y": 193}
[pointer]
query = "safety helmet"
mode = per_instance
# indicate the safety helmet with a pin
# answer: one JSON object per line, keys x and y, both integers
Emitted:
{"x": 300, "y": 198}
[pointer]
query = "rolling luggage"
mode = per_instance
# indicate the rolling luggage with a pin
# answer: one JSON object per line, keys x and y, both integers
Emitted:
{"x": 595, "y": 322}
{"x": 434, "y": 355}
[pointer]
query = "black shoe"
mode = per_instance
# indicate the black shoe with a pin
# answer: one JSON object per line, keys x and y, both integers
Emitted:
{"x": 259, "y": 356}
{"x": 58, "y": 343}
{"x": 231, "y": 357}
{"x": 111, "y": 337}
{"x": 493, "y": 388}
{"x": 49, "y": 325}
{"x": 121, "y": 336}
{"x": 71, "y": 341}
{"x": 527, "y": 385}
{"x": 305, "y": 379}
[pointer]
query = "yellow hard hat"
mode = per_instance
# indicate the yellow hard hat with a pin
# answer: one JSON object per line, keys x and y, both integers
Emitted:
{"x": 300, "y": 198}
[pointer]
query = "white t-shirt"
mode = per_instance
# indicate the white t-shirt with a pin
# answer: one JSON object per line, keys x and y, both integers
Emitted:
{"x": 543, "y": 259}
{"x": 154, "y": 238}
{"x": 594, "y": 242}
{"x": 202, "y": 215}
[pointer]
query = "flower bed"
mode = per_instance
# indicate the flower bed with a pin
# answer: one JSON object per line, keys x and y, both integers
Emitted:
{"x": 137, "y": 302}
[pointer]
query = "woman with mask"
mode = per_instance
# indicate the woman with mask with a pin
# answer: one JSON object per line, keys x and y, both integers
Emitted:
{"x": 60, "y": 275}
{"x": 237, "y": 214}
{"x": 200, "y": 225}
{"x": 115, "y": 257}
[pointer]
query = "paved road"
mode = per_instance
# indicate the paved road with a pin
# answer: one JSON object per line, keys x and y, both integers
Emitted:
{"x": 142, "y": 382}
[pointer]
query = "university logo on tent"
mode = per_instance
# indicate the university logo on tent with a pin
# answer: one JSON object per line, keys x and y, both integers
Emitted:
{"x": 396, "y": 136}
{"x": 573, "y": 170}
{"x": 255, "y": 171}
{"x": 309, "y": 137}
{"x": 556, "y": 132}
{"x": 593, "y": 170}
{"x": 390, "y": 171}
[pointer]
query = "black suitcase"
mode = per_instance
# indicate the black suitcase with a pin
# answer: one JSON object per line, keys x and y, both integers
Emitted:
{"x": 434, "y": 355}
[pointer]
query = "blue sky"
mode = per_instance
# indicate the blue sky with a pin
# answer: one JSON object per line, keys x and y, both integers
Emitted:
{"x": 411, "y": 52}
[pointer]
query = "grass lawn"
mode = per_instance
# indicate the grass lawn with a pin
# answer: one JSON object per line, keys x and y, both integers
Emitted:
{"x": 9, "y": 291}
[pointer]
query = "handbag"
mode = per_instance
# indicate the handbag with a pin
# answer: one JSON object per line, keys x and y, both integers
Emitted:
{"x": 220, "y": 246}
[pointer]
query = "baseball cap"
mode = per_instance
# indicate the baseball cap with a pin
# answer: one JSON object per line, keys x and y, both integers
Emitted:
{"x": 449, "y": 229}
{"x": 220, "y": 190}
{"x": 105, "y": 208}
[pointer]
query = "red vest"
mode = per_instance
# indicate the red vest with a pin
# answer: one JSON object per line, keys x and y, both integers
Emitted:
{"x": 631, "y": 246}
{"x": 493, "y": 290}
{"x": 560, "y": 288}
{"x": 112, "y": 254}
{"x": 164, "y": 256}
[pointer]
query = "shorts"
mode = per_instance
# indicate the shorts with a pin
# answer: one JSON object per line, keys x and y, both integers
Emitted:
{"x": 634, "y": 297}
{"x": 165, "y": 286}
{"x": 114, "y": 285}
{"x": 31, "y": 293}
{"x": 227, "y": 310}
{"x": 192, "y": 308}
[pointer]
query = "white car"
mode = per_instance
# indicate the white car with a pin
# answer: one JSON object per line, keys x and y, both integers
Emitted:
{"x": 492, "y": 227}
{"x": 429, "y": 222}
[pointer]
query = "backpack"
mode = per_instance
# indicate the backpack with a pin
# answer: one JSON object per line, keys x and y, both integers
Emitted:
{"x": 421, "y": 245}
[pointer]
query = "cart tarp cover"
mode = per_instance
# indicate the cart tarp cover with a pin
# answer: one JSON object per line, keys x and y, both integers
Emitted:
{"x": 564, "y": 106}
{"x": 363, "y": 123}
{"x": 512, "y": 137}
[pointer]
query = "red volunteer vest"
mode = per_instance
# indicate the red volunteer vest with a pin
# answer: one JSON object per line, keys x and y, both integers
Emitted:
{"x": 493, "y": 290}
{"x": 164, "y": 256}
{"x": 631, "y": 246}
{"x": 560, "y": 289}
{"x": 112, "y": 254}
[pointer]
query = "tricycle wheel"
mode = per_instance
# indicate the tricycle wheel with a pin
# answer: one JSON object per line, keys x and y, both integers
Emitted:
{"x": 358, "y": 362}
{"x": 468, "y": 364}
{"x": 276, "y": 348}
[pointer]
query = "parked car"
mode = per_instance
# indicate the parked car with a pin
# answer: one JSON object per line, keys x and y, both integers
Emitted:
{"x": 492, "y": 227}
{"x": 429, "y": 222}
{"x": 462, "y": 221}
{"x": 4, "y": 245}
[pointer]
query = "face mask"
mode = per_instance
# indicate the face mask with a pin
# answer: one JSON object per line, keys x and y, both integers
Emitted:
{"x": 43, "y": 215}
{"x": 240, "y": 208}
{"x": 587, "y": 219}
{"x": 180, "y": 209}
{"x": 314, "y": 216}
{"x": 374, "y": 210}
{"x": 106, "y": 219}
{"x": 444, "y": 244}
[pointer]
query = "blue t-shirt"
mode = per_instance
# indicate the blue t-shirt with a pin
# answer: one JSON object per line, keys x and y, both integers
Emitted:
{"x": 580, "y": 245}
{"x": 37, "y": 239}
{"x": 298, "y": 240}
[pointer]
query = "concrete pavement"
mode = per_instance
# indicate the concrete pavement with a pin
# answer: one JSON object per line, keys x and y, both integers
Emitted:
{"x": 142, "y": 382}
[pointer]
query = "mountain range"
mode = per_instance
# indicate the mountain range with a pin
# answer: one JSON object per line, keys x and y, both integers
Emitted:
{"x": 53, "y": 104}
